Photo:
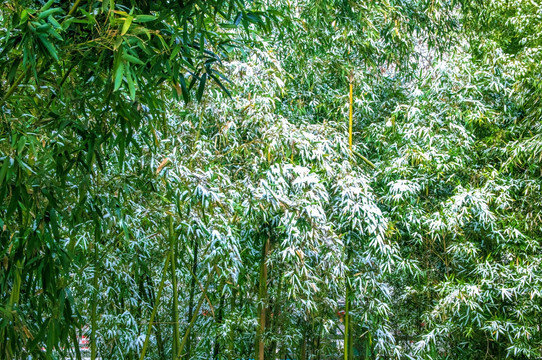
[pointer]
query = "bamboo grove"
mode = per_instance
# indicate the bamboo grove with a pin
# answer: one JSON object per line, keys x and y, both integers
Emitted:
{"x": 291, "y": 179}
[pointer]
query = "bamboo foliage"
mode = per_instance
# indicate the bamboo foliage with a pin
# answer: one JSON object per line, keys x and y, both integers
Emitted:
{"x": 257, "y": 222}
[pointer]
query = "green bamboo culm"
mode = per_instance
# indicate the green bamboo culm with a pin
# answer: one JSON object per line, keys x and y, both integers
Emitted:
{"x": 155, "y": 308}
{"x": 262, "y": 296}
{"x": 175, "y": 305}
{"x": 347, "y": 330}
{"x": 195, "y": 315}
{"x": 93, "y": 315}
{"x": 347, "y": 323}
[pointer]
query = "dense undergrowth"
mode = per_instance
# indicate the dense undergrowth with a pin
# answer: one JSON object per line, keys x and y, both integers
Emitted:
{"x": 177, "y": 180}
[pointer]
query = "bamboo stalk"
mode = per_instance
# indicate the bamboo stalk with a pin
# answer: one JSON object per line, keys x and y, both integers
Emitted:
{"x": 347, "y": 335}
{"x": 93, "y": 322}
{"x": 74, "y": 7}
{"x": 350, "y": 119}
{"x": 303, "y": 355}
{"x": 192, "y": 292}
{"x": 231, "y": 334}
{"x": 175, "y": 290}
{"x": 318, "y": 343}
{"x": 262, "y": 296}
{"x": 14, "y": 85}
{"x": 159, "y": 341}
{"x": 94, "y": 301}
{"x": 347, "y": 323}
{"x": 216, "y": 349}
{"x": 369, "y": 162}
{"x": 275, "y": 325}
{"x": 155, "y": 309}
{"x": 350, "y": 336}
{"x": 76, "y": 345}
{"x": 194, "y": 317}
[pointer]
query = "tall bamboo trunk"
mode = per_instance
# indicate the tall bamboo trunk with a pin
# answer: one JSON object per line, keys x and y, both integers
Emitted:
{"x": 303, "y": 355}
{"x": 191, "y": 299}
{"x": 347, "y": 336}
{"x": 175, "y": 305}
{"x": 155, "y": 302}
{"x": 93, "y": 315}
{"x": 318, "y": 344}
{"x": 347, "y": 325}
{"x": 216, "y": 349}
{"x": 231, "y": 339}
{"x": 155, "y": 307}
{"x": 276, "y": 324}
{"x": 260, "y": 348}
{"x": 194, "y": 317}
{"x": 159, "y": 341}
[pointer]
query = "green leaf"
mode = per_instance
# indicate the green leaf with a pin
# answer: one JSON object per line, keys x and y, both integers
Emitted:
{"x": 127, "y": 24}
{"x": 53, "y": 33}
{"x": 118, "y": 76}
{"x": 24, "y": 16}
{"x": 47, "y": 5}
{"x": 175, "y": 51}
{"x": 89, "y": 16}
{"x": 122, "y": 151}
{"x": 131, "y": 86}
{"x": 53, "y": 22}
{"x": 201, "y": 86}
{"x": 4, "y": 169}
{"x": 254, "y": 18}
{"x": 132, "y": 59}
{"x": 145, "y": 18}
{"x": 49, "y": 12}
{"x": 54, "y": 223}
{"x": 40, "y": 27}
{"x": 184, "y": 90}
{"x": 50, "y": 48}
{"x": 219, "y": 83}
{"x": 238, "y": 19}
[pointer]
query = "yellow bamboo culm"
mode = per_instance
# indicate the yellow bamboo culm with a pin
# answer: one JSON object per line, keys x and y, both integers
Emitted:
{"x": 350, "y": 120}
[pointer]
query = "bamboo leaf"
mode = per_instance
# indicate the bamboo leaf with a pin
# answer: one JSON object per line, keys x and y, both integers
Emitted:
{"x": 50, "y": 48}
{"x": 118, "y": 76}
{"x": 131, "y": 86}
{"x": 199, "y": 93}
{"x": 132, "y": 59}
{"x": 145, "y": 18}
{"x": 184, "y": 89}
{"x": 219, "y": 83}
{"x": 127, "y": 24}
